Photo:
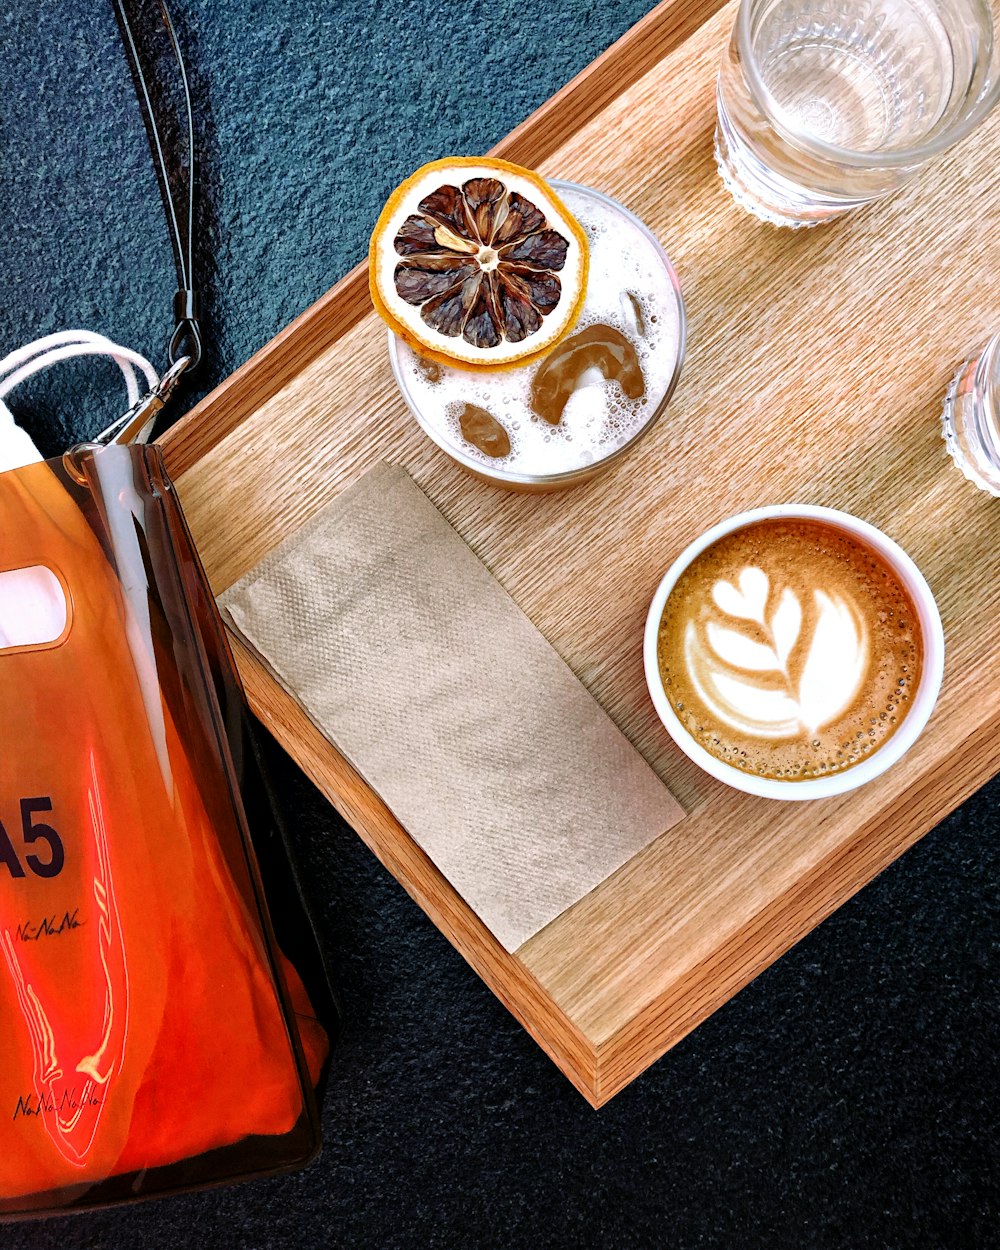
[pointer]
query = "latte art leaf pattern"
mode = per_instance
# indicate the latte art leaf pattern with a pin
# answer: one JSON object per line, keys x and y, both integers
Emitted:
{"x": 789, "y": 649}
{"x": 773, "y": 665}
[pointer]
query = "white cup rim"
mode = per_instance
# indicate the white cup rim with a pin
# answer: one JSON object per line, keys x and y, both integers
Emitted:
{"x": 917, "y": 715}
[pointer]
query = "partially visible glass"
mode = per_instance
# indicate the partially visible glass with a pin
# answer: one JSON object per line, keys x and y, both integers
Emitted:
{"x": 971, "y": 421}
{"x": 826, "y": 105}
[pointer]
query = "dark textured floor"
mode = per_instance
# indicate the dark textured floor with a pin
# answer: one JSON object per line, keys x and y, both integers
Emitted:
{"x": 848, "y": 1098}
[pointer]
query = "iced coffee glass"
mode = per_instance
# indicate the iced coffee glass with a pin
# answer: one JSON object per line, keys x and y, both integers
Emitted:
{"x": 559, "y": 421}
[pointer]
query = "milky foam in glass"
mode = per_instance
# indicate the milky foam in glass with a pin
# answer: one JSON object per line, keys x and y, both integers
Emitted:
{"x": 794, "y": 652}
{"x": 605, "y": 385}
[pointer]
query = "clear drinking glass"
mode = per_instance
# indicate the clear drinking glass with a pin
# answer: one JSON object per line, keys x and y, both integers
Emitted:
{"x": 825, "y": 105}
{"x": 971, "y": 419}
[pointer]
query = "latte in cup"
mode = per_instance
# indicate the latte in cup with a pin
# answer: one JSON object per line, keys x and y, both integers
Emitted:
{"x": 790, "y": 648}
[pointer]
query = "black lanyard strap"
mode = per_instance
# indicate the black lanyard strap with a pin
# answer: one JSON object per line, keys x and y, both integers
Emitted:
{"x": 186, "y": 339}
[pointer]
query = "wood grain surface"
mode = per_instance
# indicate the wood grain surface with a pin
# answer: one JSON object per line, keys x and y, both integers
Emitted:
{"x": 816, "y": 365}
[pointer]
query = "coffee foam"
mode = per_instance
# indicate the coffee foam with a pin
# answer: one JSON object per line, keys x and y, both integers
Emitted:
{"x": 598, "y": 418}
{"x": 790, "y": 649}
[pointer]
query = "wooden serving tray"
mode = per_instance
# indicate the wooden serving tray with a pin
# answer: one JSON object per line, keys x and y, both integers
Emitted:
{"x": 816, "y": 365}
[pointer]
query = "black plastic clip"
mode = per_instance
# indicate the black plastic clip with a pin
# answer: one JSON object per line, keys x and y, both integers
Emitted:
{"x": 186, "y": 338}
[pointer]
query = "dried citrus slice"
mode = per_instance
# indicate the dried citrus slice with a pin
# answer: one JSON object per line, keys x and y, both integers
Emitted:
{"x": 477, "y": 263}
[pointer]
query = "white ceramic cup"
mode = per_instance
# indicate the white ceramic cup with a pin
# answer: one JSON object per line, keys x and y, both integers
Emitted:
{"x": 914, "y": 721}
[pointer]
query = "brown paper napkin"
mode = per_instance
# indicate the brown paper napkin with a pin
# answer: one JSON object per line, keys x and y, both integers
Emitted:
{"x": 417, "y": 665}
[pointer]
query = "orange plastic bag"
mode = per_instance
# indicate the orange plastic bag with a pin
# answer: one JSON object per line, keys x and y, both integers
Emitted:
{"x": 149, "y": 1030}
